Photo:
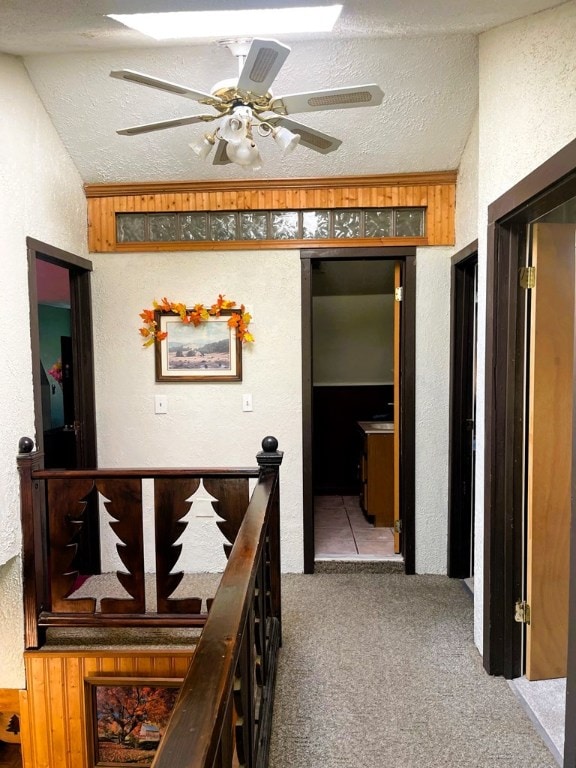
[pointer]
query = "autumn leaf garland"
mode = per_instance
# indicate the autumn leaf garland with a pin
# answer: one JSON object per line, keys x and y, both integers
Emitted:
{"x": 239, "y": 319}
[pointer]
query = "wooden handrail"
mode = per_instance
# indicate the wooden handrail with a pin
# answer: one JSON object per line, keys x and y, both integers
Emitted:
{"x": 144, "y": 474}
{"x": 222, "y": 717}
{"x": 193, "y": 735}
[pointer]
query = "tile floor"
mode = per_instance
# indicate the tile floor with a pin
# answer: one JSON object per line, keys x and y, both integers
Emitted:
{"x": 342, "y": 532}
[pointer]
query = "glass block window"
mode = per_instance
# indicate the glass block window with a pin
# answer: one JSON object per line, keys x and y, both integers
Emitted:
{"x": 379, "y": 222}
{"x": 163, "y": 226}
{"x": 254, "y": 226}
{"x": 315, "y": 224}
{"x": 284, "y": 225}
{"x": 131, "y": 227}
{"x": 347, "y": 223}
{"x": 409, "y": 222}
{"x": 193, "y": 226}
{"x": 223, "y": 226}
{"x": 220, "y": 226}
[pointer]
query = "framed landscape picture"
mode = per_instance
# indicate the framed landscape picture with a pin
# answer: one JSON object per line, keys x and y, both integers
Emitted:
{"x": 210, "y": 351}
{"x": 126, "y": 718}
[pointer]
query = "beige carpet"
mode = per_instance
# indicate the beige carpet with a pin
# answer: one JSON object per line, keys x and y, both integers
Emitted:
{"x": 380, "y": 671}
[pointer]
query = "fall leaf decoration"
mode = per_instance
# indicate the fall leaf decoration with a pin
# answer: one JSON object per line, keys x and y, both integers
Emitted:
{"x": 239, "y": 319}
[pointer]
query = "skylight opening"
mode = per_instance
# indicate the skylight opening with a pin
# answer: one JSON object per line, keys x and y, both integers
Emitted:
{"x": 223, "y": 24}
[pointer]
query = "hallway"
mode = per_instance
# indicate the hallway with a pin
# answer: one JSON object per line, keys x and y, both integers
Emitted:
{"x": 380, "y": 671}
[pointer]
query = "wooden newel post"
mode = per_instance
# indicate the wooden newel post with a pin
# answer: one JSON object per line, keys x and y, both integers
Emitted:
{"x": 33, "y": 540}
{"x": 269, "y": 456}
{"x": 269, "y": 460}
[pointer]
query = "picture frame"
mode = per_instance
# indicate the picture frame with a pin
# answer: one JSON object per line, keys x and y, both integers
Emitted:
{"x": 210, "y": 351}
{"x": 126, "y": 718}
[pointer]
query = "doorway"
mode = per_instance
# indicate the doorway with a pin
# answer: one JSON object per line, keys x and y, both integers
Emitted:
{"x": 528, "y": 220}
{"x": 343, "y": 395}
{"x": 63, "y": 373}
{"x": 464, "y": 314}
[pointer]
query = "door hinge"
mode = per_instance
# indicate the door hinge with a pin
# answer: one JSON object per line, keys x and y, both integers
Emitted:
{"x": 397, "y": 526}
{"x": 527, "y": 277}
{"x": 522, "y": 612}
{"x": 398, "y": 294}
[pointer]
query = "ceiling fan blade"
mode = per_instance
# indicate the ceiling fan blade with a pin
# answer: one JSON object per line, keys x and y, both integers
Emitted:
{"x": 165, "y": 85}
{"x": 220, "y": 156}
{"x": 162, "y": 124}
{"x": 309, "y": 137}
{"x": 263, "y": 62}
{"x": 369, "y": 95}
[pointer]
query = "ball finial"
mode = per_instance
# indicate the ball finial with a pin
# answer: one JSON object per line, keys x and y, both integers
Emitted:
{"x": 269, "y": 444}
{"x": 25, "y": 445}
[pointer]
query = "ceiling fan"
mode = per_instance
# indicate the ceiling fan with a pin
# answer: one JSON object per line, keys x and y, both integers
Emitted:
{"x": 246, "y": 106}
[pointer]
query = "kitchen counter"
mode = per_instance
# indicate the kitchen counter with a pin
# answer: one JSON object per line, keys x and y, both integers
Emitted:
{"x": 377, "y": 472}
{"x": 376, "y": 426}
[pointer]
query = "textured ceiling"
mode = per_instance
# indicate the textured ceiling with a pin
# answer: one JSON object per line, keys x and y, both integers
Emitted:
{"x": 423, "y": 54}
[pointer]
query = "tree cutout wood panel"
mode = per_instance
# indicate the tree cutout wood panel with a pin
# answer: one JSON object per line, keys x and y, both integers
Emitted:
{"x": 67, "y": 501}
{"x": 232, "y": 496}
{"x": 171, "y": 504}
{"x": 123, "y": 502}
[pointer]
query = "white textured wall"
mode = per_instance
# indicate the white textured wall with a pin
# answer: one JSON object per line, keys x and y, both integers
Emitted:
{"x": 40, "y": 196}
{"x": 353, "y": 339}
{"x": 467, "y": 192}
{"x": 432, "y": 380}
{"x": 527, "y": 113}
{"x": 205, "y": 424}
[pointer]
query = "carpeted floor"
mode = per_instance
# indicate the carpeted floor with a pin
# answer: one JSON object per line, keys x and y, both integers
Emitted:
{"x": 380, "y": 671}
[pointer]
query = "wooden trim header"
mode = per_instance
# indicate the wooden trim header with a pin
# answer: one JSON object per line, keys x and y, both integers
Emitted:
{"x": 171, "y": 187}
{"x": 436, "y": 192}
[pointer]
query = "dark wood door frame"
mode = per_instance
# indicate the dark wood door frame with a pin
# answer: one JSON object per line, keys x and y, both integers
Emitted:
{"x": 406, "y": 255}
{"x": 460, "y": 534}
{"x": 544, "y": 189}
{"x": 81, "y": 321}
{"x": 87, "y": 559}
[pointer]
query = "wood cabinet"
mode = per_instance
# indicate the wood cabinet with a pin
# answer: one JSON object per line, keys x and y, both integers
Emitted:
{"x": 377, "y": 472}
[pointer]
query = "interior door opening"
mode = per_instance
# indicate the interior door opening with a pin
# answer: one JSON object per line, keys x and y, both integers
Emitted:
{"x": 353, "y": 408}
{"x": 357, "y": 478}
{"x": 464, "y": 313}
{"x": 549, "y": 280}
{"x": 63, "y": 374}
{"x": 542, "y": 193}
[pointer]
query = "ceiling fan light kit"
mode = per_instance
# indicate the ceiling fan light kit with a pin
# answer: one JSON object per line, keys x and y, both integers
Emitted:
{"x": 246, "y": 106}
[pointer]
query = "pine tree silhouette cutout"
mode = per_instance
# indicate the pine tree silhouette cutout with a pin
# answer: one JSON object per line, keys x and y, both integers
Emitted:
{"x": 202, "y": 541}
{"x": 14, "y": 725}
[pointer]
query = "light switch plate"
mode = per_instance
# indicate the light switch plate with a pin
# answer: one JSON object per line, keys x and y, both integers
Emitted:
{"x": 160, "y": 404}
{"x": 246, "y": 402}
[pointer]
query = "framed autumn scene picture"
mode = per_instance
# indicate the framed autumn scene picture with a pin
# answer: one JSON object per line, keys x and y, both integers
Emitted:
{"x": 126, "y": 718}
{"x": 209, "y": 351}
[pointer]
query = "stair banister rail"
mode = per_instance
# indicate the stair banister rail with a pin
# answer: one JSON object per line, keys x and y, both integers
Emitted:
{"x": 218, "y": 711}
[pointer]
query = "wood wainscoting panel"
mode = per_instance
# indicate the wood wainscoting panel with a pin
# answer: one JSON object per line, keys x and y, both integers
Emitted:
{"x": 55, "y": 730}
{"x": 435, "y": 192}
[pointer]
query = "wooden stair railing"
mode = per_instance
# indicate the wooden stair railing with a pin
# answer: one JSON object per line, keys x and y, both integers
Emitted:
{"x": 222, "y": 717}
{"x": 53, "y": 509}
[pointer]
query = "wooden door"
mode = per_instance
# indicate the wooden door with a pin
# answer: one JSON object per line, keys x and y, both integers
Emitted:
{"x": 549, "y": 450}
{"x": 397, "y": 315}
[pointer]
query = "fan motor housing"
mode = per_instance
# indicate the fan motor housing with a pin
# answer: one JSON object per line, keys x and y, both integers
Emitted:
{"x": 227, "y": 90}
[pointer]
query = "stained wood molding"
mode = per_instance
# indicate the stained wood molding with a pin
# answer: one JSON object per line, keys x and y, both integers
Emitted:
{"x": 436, "y": 192}
{"x": 171, "y": 187}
